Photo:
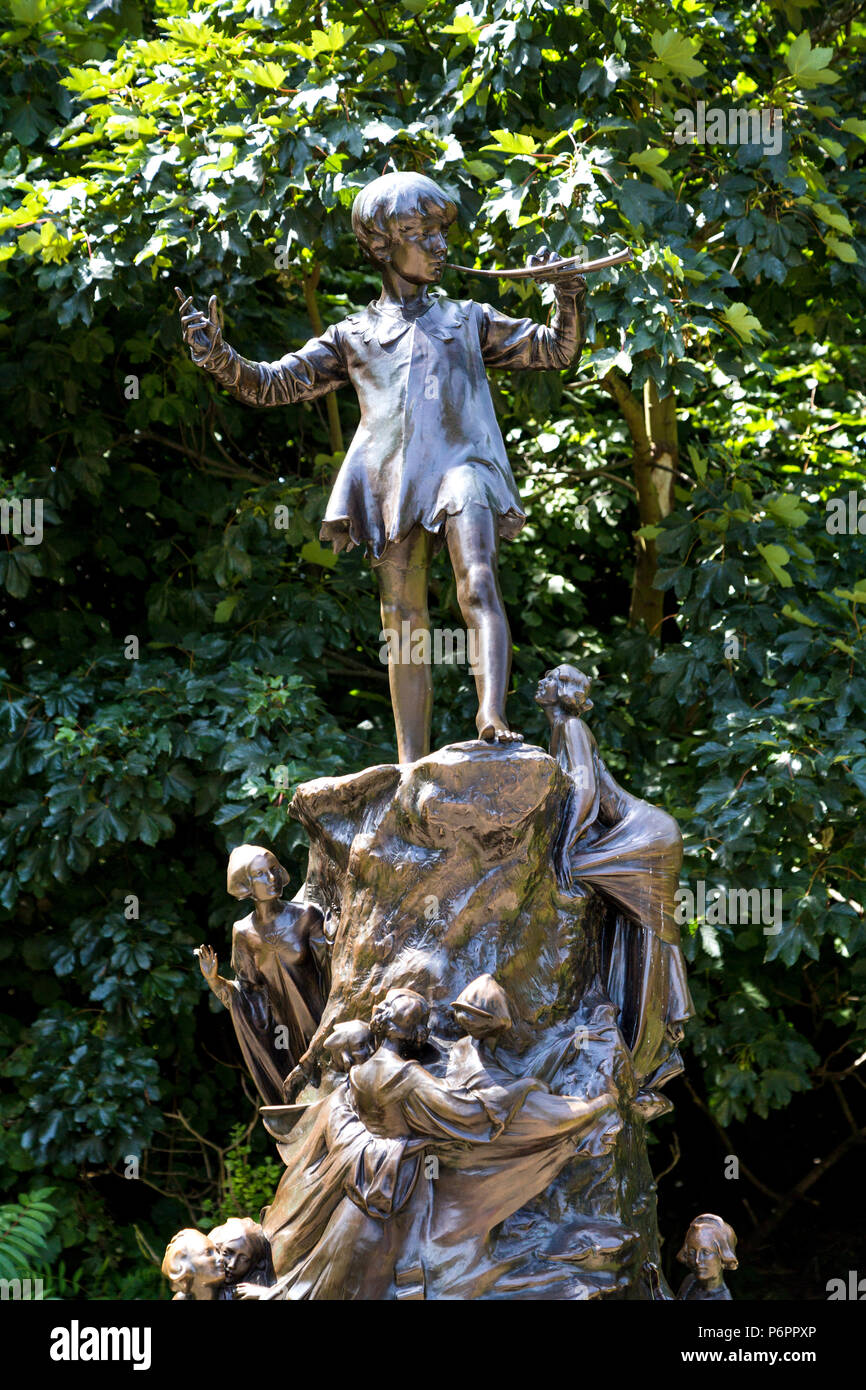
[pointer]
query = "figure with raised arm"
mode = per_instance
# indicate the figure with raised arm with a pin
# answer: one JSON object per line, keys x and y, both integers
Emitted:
{"x": 277, "y": 996}
{"x": 427, "y": 466}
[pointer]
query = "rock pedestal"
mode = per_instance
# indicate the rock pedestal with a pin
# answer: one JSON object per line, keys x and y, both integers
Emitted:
{"x": 429, "y": 876}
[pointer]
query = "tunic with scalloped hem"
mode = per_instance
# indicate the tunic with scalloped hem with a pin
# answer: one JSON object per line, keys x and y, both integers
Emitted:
{"x": 428, "y": 443}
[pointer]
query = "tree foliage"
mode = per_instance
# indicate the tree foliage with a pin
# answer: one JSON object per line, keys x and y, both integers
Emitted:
{"x": 175, "y": 659}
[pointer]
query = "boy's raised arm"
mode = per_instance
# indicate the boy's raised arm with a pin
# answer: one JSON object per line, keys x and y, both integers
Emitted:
{"x": 527, "y": 345}
{"x": 314, "y": 370}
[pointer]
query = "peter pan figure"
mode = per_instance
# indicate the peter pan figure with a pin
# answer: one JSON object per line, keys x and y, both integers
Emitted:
{"x": 427, "y": 465}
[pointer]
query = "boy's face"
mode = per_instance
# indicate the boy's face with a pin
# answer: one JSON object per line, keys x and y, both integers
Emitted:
{"x": 472, "y": 1024}
{"x": 418, "y": 247}
{"x": 702, "y": 1253}
{"x": 206, "y": 1259}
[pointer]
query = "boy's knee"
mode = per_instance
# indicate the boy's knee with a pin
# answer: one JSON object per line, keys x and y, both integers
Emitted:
{"x": 395, "y": 614}
{"x": 478, "y": 588}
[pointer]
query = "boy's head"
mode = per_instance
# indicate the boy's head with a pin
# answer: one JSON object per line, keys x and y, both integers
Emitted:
{"x": 193, "y": 1266}
{"x": 402, "y": 220}
{"x": 709, "y": 1247}
{"x": 482, "y": 1009}
{"x": 242, "y": 1245}
{"x": 349, "y": 1044}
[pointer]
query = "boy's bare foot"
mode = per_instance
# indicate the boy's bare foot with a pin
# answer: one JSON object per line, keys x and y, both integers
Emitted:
{"x": 493, "y": 728}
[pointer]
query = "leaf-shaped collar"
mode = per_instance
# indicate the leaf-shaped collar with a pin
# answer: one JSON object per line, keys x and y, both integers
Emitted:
{"x": 443, "y": 319}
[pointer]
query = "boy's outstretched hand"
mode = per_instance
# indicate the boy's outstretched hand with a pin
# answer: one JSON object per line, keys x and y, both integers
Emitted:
{"x": 201, "y": 332}
{"x": 568, "y": 281}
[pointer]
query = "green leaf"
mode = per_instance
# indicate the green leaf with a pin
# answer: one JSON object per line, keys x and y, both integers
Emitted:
{"x": 226, "y": 607}
{"x": 807, "y": 64}
{"x": 480, "y": 170}
{"x": 837, "y": 220}
{"x": 317, "y": 554}
{"x": 743, "y": 322}
{"x": 509, "y": 142}
{"x": 787, "y": 509}
{"x": 842, "y": 250}
{"x": 855, "y": 595}
{"x": 648, "y": 161}
{"x": 675, "y": 53}
{"x": 269, "y": 75}
{"x": 798, "y": 616}
{"x": 776, "y": 557}
{"x": 856, "y": 126}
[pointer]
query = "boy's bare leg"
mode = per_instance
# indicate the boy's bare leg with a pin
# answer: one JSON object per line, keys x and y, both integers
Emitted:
{"x": 473, "y": 544}
{"x": 402, "y": 576}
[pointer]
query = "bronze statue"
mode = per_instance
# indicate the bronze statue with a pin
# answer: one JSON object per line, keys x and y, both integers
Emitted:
{"x": 350, "y": 1197}
{"x": 505, "y": 1155}
{"x": 537, "y": 1134}
{"x": 245, "y": 1253}
{"x": 631, "y": 853}
{"x": 708, "y": 1250}
{"x": 357, "y": 1198}
{"x": 276, "y": 998}
{"x": 194, "y": 1267}
{"x": 348, "y": 1045}
{"x": 427, "y": 465}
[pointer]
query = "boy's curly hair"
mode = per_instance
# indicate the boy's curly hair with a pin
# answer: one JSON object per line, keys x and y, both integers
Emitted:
{"x": 723, "y": 1238}
{"x": 391, "y": 196}
{"x": 405, "y": 1014}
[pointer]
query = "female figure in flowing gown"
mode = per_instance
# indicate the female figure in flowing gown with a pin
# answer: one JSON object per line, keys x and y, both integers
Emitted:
{"x": 631, "y": 853}
{"x": 276, "y": 998}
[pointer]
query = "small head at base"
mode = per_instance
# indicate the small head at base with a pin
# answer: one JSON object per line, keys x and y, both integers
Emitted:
{"x": 565, "y": 687}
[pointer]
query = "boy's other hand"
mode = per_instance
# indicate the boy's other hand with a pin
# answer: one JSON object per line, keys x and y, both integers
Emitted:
{"x": 567, "y": 282}
{"x": 201, "y": 332}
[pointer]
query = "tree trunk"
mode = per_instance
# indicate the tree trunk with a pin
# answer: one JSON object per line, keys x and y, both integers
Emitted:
{"x": 652, "y": 426}
{"x": 310, "y": 282}
{"x": 335, "y": 432}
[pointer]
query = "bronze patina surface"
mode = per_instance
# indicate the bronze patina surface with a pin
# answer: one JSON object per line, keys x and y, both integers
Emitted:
{"x": 427, "y": 466}
{"x": 463, "y": 1023}
{"x": 280, "y": 970}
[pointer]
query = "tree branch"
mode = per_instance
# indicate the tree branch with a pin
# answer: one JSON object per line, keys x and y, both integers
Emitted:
{"x": 759, "y": 1237}
{"x": 335, "y": 429}
{"x": 211, "y": 465}
{"x": 729, "y": 1143}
